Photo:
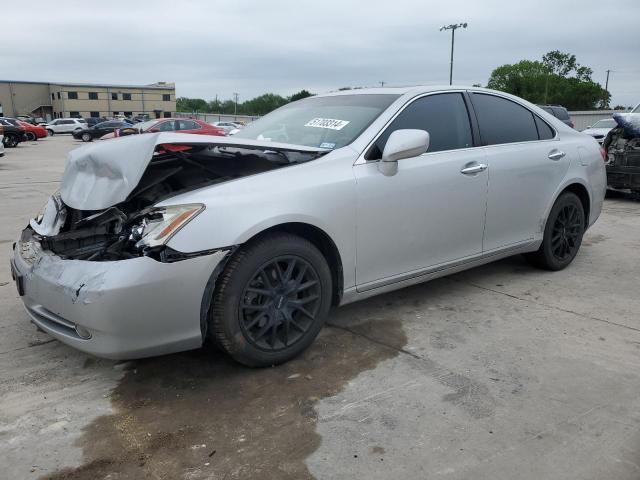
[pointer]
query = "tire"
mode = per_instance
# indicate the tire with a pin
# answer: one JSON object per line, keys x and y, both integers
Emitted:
{"x": 562, "y": 234}
{"x": 31, "y": 137}
{"x": 86, "y": 137}
{"x": 261, "y": 320}
{"x": 50, "y": 132}
{"x": 11, "y": 141}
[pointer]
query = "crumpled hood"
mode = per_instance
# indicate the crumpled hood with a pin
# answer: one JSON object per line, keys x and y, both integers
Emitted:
{"x": 103, "y": 174}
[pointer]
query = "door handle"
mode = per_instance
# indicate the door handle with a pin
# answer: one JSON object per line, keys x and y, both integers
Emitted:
{"x": 473, "y": 169}
{"x": 556, "y": 154}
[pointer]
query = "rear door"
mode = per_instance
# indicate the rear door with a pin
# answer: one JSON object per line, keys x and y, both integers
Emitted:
{"x": 429, "y": 213}
{"x": 526, "y": 165}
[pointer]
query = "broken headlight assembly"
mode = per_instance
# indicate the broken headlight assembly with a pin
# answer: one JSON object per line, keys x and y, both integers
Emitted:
{"x": 159, "y": 224}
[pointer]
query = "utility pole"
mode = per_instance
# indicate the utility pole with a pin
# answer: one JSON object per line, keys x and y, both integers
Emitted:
{"x": 453, "y": 27}
{"x": 381, "y": 83}
{"x": 235, "y": 98}
{"x": 606, "y": 89}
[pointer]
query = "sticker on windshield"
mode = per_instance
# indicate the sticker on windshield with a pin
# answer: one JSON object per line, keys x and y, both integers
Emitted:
{"x": 330, "y": 123}
{"x": 327, "y": 145}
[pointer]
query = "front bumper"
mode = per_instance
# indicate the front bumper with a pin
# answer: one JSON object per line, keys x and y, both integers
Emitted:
{"x": 623, "y": 178}
{"x": 120, "y": 309}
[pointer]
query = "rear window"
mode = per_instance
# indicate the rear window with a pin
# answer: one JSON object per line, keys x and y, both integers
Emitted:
{"x": 561, "y": 113}
{"x": 503, "y": 121}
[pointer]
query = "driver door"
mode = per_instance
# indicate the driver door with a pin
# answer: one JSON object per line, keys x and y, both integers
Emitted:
{"x": 430, "y": 213}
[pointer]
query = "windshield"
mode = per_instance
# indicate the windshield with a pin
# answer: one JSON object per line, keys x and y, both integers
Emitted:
{"x": 607, "y": 123}
{"x": 325, "y": 122}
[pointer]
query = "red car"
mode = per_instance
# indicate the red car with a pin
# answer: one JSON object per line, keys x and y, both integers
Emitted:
{"x": 33, "y": 132}
{"x": 181, "y": 125}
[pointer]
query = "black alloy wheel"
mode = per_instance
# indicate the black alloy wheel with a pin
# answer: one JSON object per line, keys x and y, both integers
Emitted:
{"x": 567, "y": 232}
{"x": 562, "y": 234}
{"x": 280, "y": 303}
{"x": 270, "y": 300}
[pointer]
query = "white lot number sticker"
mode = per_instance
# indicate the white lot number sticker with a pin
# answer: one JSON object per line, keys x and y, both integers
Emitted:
{"x": 330, "y": 123}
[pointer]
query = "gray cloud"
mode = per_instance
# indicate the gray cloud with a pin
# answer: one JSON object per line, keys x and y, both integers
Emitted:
{"x": 252, "y": 47}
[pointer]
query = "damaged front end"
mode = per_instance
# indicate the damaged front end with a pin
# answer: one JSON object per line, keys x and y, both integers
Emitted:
{"x": 622, "y": 145}
{"x": 100, "y": 214}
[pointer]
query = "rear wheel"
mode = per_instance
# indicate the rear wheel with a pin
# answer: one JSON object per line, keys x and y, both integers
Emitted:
{"x": 11, "y": 140}
{"x": 271, "y": 300}
{"x": 562, "y": 234}
{"x": 31, "y": 137}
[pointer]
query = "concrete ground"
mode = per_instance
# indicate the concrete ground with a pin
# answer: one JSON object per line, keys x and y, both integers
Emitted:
{"x": 501, "y": 372}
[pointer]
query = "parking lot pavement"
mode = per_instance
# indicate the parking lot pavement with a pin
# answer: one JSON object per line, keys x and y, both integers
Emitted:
{"x": 500, "y": 372}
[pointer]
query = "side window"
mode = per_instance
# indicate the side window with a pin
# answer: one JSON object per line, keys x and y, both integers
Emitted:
{"x": 545, "y": 132}
{"x": 503, "y": 121}
{"x": 443, "y": 115}
{"x": 165, "y": 126}
{"x": 187, "y": 125}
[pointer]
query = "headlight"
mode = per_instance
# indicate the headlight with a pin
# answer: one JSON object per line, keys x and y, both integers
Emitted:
{"x": 162, "y": 223}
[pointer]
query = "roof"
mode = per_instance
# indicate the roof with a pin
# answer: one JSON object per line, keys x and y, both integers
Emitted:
{"x": 154, "y": 86}
{"x": 417, "y": 89}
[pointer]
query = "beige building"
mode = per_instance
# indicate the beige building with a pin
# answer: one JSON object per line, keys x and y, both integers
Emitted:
{"x": 56, "y": 100}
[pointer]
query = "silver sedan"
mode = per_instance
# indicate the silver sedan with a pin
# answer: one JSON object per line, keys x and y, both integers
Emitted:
{"x": 157, "y": 242}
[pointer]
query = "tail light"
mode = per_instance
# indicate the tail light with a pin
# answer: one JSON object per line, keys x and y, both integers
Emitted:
{"x": 603, "y": 154}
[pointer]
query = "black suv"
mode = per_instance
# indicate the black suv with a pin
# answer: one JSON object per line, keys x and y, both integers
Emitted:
{"x": 559, "y": 112}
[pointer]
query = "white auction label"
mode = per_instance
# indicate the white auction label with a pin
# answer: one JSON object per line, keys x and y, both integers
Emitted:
{"x": 330, "y": 123}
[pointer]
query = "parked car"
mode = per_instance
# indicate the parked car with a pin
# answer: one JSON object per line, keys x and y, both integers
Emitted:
{"x": 33, "y": 132}
{"x": 99, "y": 130}
{"x": 182, "y": 125}
{"x": 622, "y": 145}
{"x": 65, "y": 125}
{"x": 600, "y": 129}
{"x": 92, "y": 121}
{"x": 13, "y": 134}
{"x": 228, "y": 126}
{"x": 559, "y": 112}
{"x": 156, "y": 242}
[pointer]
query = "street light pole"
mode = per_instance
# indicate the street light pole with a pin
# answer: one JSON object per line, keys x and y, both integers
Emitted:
{"x": 453, "y": 27}
{"x": 235, "y": 109}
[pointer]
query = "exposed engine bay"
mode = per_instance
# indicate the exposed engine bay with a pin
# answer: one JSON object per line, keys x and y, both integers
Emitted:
{"x": 134, "y": 227}
{"x": 622, "y": 145}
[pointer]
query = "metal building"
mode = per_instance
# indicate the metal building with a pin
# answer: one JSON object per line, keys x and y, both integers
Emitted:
{"x": 56, "y": 100}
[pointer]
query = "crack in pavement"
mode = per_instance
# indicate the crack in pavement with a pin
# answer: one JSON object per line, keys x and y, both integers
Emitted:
{"x": 553, "y": 307}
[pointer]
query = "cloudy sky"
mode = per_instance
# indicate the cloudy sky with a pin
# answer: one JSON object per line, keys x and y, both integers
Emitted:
{"x": 252, "y": 47}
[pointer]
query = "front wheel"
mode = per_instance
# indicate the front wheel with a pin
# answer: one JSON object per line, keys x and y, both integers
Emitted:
{"x": 86, "y": 137}
{"x": 50, "y": 132}
{"x": 31, "y": 137}
{"x": 271, "y": 300}
{"x": 562, "y": 234}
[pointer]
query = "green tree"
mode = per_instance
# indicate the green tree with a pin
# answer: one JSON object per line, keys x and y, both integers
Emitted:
{"x": 184, "y": 104}
{"x": 300, "y": 95}
{"x": 557, "y": 79}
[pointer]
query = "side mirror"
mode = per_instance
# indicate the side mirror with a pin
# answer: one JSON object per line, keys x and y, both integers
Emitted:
{"x": 401, "y": 144}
